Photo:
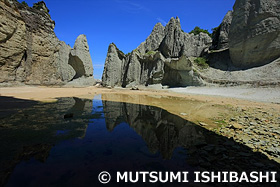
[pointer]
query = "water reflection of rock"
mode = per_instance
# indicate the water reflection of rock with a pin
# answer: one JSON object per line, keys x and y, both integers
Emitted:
{"x": 161, "y": 130}
{"x": 31, "y": 132}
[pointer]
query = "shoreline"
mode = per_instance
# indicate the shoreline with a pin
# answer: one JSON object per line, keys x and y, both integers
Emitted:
{"x": 235, "y": 96}
{"x": 251, "y": 123}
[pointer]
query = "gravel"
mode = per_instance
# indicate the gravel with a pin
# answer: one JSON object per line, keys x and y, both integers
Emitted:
{"x": 271, "y": 95}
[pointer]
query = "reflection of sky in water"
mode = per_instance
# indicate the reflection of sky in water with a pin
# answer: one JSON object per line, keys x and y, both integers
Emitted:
{"x": 60, "y": 132}
{"x": 77, "y": 162}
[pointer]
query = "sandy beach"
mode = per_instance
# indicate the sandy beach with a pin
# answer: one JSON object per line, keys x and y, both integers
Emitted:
{"x": 236, "y": 96}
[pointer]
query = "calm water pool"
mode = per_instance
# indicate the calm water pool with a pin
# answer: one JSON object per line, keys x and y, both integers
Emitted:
{"x": 69, "y": 142}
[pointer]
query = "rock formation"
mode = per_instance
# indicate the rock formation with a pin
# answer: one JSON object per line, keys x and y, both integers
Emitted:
{"x": 245, "y": 50}
{"x": 164, "y": 58}
{"x": 113, "y": 66}
{"x": 80, "y": 58}
{"x": 248, "y": 39}
{"x": 254, "y": 37}
{"x": 32, "y": 54}
{"x": 220, "y": 38}
{"x": 153, "y": 41}
{"x": 177, "y": 43}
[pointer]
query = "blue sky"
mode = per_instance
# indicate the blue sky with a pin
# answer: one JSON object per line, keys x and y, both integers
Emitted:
{"x": 127, "y": 23}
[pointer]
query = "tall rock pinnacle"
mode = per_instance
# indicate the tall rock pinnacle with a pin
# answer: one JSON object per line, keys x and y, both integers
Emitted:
{"x": 161, "y": 59}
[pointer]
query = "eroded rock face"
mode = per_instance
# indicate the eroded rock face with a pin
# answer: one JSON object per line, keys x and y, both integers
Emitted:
{"x": 32, "y": 54}
{"x": 173, "y": 42}
{"x": 12, "y": 43}
{"x": 143, "y": 70}
{"x": 177, "y": 43}
{"x": 220, "y": 39}
{"x": 153, "y": 41}
{"x": 158, "y": 60}
{"x": 180, "y": 71}
{"x": 255, "y": 32}
{"x": 112, "y": 74}
{"x": 82, "y": 55}
{"x": 62, "y": 56}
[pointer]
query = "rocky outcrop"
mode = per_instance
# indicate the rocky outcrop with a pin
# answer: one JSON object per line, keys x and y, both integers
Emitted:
{"x": 163, "y": 58}
{"x": 80, "y": 61}
{"x": 112, "y": 74}
{"x": 245, "y": 46}
{"x": 254, "y": 37}
{"x": 153, "y": 41}
{"x": 13, "y": 50}
{"x": 220, "y": 38}
{"x": 177, "y": 43}
{"x": 32, "y": 54}
{"x": 80, "y": 58}
{"x": 143, "y": 69}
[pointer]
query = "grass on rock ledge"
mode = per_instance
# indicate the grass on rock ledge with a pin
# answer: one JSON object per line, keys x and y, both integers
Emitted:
{"x": 201, "y": 62}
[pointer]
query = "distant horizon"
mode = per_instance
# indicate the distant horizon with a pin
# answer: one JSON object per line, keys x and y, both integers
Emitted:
{"x": 127, "y": 23}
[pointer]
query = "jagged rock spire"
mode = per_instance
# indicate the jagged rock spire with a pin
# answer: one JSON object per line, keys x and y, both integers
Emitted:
{"x": 148, "y": 64}
{"x": 154, "y": 39}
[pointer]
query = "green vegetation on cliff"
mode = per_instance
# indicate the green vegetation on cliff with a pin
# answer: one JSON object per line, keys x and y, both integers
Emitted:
{"x": 198, "y": 30}
{"x": 24, "y": 3}
{"x": 201, "y": 62}
{"x": 149, "y": 53}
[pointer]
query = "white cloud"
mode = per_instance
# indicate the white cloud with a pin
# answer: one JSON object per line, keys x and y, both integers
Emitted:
{"x": 131, "y": 7}
{"x": 162, "y": 21}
